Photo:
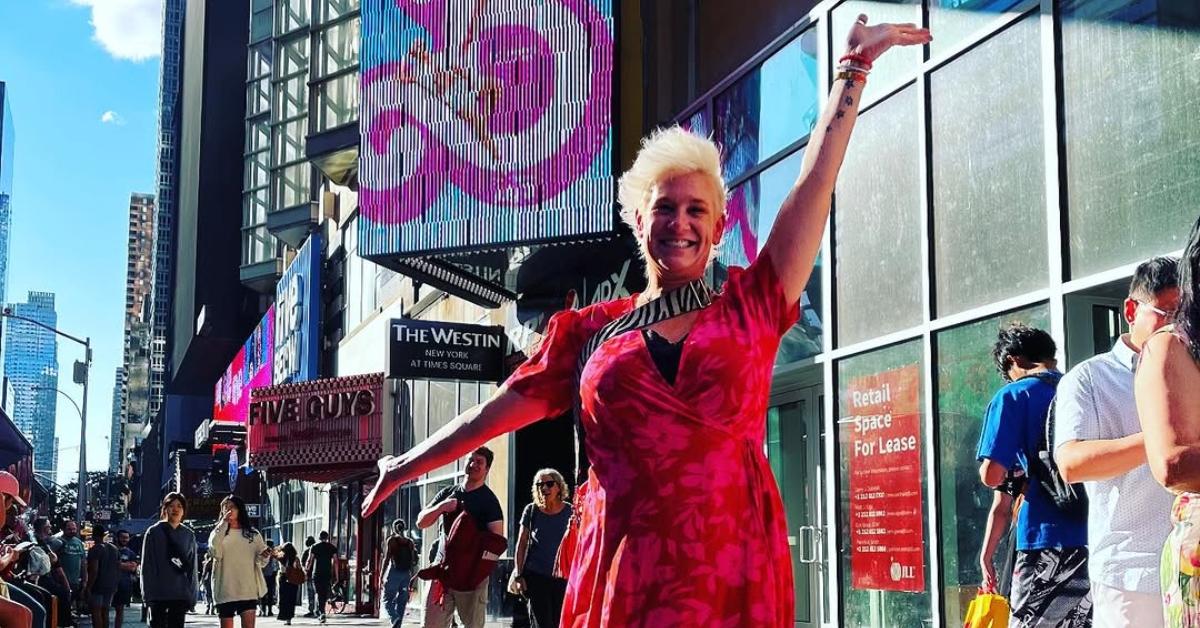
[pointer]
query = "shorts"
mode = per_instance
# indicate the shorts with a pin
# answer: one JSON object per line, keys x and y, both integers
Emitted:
{"x": 123, "y": 597}
{"x": 100, "y": 600}
{"x": 229, "y": 610}
{"x": 1051, "y": 588}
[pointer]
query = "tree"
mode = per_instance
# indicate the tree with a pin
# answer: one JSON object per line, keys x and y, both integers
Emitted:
{"x": 105, "y": 492}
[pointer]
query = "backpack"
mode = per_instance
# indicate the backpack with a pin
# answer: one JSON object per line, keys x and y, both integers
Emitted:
{"x": 1069, "y": 498}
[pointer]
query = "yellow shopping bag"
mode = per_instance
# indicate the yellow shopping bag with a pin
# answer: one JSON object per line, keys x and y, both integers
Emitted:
{"x": 987, "y": 610}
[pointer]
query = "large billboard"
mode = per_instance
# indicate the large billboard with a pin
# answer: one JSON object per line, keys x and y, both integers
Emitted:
{"x": 484, "y": 124}
{"x": 298, "y": 315}
{"x": 251, "y": 368}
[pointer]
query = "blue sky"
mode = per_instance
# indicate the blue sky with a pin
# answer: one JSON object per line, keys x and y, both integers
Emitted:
{"x": 82, "y": 79}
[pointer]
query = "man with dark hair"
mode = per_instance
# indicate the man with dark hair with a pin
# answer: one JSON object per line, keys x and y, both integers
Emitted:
{"x": 308, "y": 582}
{"x": 1050, "y": 578}
{"x": 322, "y": 564}
{"x": 476, "y": 498}
{"x": 72, "y": 554}
{"x": 1098, "y": 441}
{"x": 103, "y": 572}
{"x": 128, "y": 565}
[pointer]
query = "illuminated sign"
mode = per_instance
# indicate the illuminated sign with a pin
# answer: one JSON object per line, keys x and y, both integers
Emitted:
{"x": 251, "y": 368}
{"x": 297, "y": 316}
{"x": 484, "y": 125}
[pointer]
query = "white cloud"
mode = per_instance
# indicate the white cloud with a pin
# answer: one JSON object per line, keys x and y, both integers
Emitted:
{"x": 112, "y": 117}
{"x": 127, "y": 29}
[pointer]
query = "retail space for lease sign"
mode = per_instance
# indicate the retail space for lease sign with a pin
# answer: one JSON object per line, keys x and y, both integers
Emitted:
{"x": 882, "y": 424}
{"x": 436, "y": 350}
{"x": 484, "y": 124}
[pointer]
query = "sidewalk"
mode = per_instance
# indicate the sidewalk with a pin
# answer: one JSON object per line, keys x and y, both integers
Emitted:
{"x": 133, "y": 616}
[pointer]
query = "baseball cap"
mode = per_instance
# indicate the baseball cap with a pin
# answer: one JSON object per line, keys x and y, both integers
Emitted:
{"x": 10, "y": 487}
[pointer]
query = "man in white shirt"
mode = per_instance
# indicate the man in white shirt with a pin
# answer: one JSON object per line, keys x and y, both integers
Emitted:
{"x": 1098, "y": 441}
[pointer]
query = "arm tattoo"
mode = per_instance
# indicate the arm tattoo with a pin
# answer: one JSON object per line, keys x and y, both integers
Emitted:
{"x": 840, "y": 114}
{"x": 849, "y": 100}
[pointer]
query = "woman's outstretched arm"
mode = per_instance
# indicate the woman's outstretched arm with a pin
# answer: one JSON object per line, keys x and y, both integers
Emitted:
{"x": 504, "y": 412}
{"x": 796, "y": 236}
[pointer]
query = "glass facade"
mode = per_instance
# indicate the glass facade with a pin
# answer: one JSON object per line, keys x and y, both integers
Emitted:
{"x": 31, "y": 366}
{"x": 988, "y": 181}
{"x": 258, "y": 245}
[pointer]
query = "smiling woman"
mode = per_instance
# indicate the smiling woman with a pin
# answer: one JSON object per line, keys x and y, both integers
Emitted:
{"x": 678, "y": 520}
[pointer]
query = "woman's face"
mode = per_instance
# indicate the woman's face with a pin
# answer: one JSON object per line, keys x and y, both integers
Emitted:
{"x": 229, "y": 512}
{"x": 548, "y": 487}
{"x": 174, "y": 512}
{"x": 679, "y": 227}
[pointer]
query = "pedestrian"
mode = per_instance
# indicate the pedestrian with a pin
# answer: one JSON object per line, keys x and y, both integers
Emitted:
{"x": 1099, "y": 441}
{"x": 56, "y": 580}
{"x": 169, "y": 570}
{"x": 323, "y": 567}
{"x": 239, "y": 555}
{"x": 476, "y": 498}
{"x": 126, "y": 583}
{"x": 1050, "y": 582}
{"x": 1167, "y": 389}
{"x": 71, "y": 555}
{"x": 674, "y": 436}
{"x": 398, "y": 560}
{"x": 543, "y": 524}
{"x": 291, "y": 577}
{"x": 12, "y": 612}
{"x": 310, "y": 589}
{"x": 103, "y": 572}
{"x": 270, "y": 571}
{"x": 207, "y": 579}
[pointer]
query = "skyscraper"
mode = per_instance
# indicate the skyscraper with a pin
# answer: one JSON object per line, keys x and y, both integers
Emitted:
{"x": 114, "y": 455}
{"x": 31, "y": 364}
{"x": 139, "y": 274}
{"x": 7, "y": 138}
{"x": 168, "y": 196}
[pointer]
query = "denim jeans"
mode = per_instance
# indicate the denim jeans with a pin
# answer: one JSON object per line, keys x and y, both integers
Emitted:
{"x": 395, "y": 595}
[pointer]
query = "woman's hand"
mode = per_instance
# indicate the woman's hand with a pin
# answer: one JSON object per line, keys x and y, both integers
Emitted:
{"x": 870, "y": 42}
{"x": 391, "y": 476}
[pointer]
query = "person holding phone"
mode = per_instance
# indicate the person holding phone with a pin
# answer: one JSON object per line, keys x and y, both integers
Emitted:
{"x": 239, "y": 555}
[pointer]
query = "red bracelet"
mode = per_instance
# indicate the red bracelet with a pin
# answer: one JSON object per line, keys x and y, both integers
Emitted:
{"x": 856, "y": 58}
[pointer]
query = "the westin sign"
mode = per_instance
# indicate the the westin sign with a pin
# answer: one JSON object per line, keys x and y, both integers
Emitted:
{"x": 435, "y": 350}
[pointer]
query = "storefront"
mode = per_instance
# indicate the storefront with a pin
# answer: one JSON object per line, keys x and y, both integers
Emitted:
{"x": 993, "y": 177}
{"x": 328, "y": 432}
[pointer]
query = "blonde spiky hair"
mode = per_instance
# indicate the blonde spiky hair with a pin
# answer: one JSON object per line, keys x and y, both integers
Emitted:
{"x": 668, "y": 153}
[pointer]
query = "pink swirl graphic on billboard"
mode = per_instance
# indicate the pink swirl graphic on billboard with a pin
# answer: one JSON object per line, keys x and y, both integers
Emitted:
{"x": 478, "y": 113}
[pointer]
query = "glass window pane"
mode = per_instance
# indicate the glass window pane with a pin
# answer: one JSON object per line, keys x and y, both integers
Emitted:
{"x": 989, "y": 192}
{"x": 333, "y": 9}
{"x": 419, "y": 414}
{"x": 1132, "y": 130}
{"x": 770, "y": 108}
{"x": 877, "y": 223}
{"x": 956, "y": 20}
{"x": 882, "y": 501}
{"x": 339, "y": 47}
{"x": 698, "y": 123}
{"x": 338, "y": 102}
{"x": 966, "y": 381}
{"x": 897, "y": 65}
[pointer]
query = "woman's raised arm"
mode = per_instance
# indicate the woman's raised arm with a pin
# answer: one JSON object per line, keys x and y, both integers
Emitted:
{"x": 504, "y": 412}
{"x": 796, "y": 236}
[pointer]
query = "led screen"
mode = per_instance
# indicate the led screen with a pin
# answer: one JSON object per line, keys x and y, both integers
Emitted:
{"x": 484, "y": 124}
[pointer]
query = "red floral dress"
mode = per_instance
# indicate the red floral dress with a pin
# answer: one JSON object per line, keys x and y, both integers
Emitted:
{"x": 682, "y": 524}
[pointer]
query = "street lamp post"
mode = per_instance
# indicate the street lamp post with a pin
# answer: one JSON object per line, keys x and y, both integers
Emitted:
{"x": 79, "y": 376}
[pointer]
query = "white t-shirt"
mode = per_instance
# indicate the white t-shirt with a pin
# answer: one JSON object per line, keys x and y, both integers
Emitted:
{"x": 1129, "y": 515}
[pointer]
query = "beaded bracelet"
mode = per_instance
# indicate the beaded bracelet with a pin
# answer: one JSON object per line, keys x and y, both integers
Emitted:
{"x": 852, "y": 76}
{"x": 858, "y": 60}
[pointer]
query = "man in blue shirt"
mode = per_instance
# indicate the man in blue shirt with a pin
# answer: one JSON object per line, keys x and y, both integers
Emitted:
{"x": 1050, "y": 580}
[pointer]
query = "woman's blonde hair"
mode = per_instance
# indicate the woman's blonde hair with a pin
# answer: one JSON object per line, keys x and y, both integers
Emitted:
{"x": 667, "y": 153}
{"x": 563, "y": 491}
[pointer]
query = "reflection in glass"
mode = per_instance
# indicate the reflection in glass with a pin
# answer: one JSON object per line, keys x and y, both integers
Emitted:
{"x": 877, "y": 221}
{"x": 966, "y": 381}
{"x": 956, "y": 20}
{"x": 1132, "y": 131}
{"x": 897, "y": 65}
{"x": 989, "y": 191}
{"x": 902, "y": 365}
{"x": 698, "y": 123}
{"x": 770, "y": 108}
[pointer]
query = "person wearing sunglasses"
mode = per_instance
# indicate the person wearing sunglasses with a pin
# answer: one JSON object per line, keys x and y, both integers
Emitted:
{"x": 543, "y": 524}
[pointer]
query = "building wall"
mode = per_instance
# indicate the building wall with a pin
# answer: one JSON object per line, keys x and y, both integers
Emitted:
{"x": 8, "y": 140}
{"x": 115, "y": 456}
{"x": 139, "y": 285}
{"x": 31, "y": 364}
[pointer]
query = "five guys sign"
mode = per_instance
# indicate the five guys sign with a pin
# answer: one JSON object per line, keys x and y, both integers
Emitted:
{"x": 318, "y": 430}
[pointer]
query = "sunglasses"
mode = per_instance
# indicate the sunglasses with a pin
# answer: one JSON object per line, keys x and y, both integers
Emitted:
{"x": 546, "y": 484}
{"x": 1161, "y": 312}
